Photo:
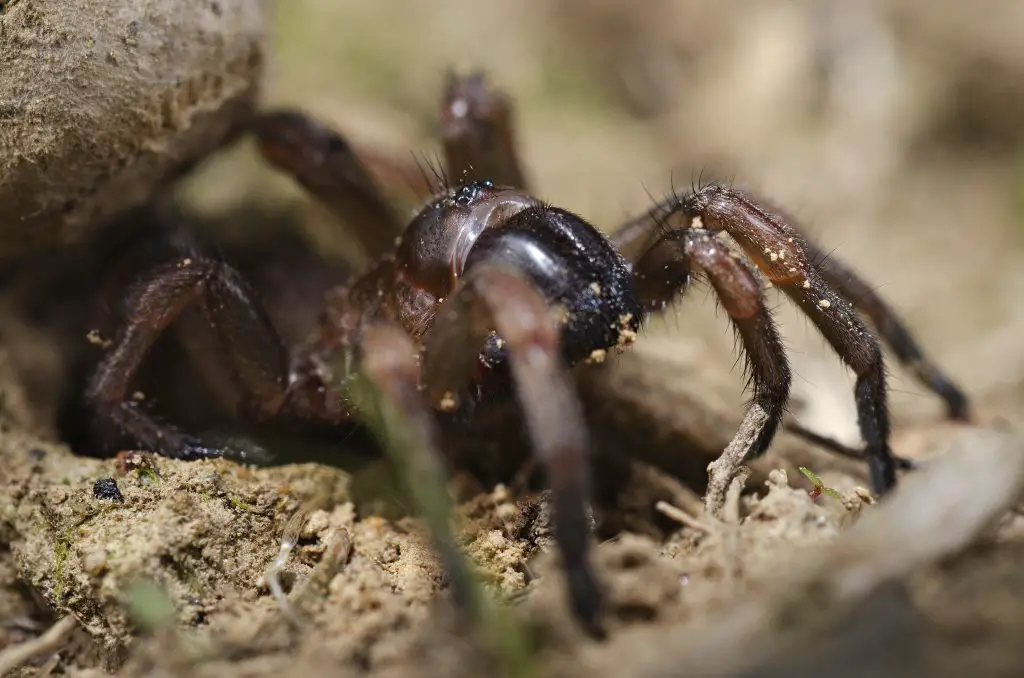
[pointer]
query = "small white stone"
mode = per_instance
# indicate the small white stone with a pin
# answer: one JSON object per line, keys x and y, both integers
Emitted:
{"x": 95, "y": 562}
{"x": 447, "y": 403}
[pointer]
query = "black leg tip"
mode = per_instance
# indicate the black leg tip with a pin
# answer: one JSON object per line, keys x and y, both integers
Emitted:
{"x": 959, "y": 410}
{"x": 587, "y": 601}
{"x": 235, "y": 449}
{"x": 957, "y": 406}
{"x": 905, "y": 464}
{"x": 882, "y": 469}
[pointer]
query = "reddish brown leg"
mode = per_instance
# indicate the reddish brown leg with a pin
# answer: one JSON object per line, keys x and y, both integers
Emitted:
{"x": 387, "y": 357}
{"x": 639, "y": 234}
{"x": 495, "y": 298}
{"x": 324, "y": 163}
{"x": 891, "y": 329}
{"x": 664, "y": 272}
{"x": 779, "y": 252}
{"x": 635, "y": 236}
{"x": 256, "y": 355}
{"x": 478, "y": 133}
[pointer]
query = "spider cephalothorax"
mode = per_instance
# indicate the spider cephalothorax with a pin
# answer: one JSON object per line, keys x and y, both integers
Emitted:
{"x": 491, "y": 292}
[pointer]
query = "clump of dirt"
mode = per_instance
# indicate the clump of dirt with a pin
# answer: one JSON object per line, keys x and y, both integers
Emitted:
{"x": 206, "y": 531}
{"x": 102, "y": 102}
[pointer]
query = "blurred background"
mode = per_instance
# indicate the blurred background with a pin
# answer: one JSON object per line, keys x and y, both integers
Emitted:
{"x": 891, "y": 128}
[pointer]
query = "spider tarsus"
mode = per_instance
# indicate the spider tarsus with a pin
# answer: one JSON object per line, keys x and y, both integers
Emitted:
{"x": 587, "y": 600}
{"x": 235, "y": 448}
{"x": 958, "y": 407}
{"x": 873, "y": 420}
{"x": 175, "y": 445}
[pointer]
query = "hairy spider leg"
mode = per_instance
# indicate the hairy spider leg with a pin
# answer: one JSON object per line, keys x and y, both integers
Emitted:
{"x": 891, "y": 329}
{"x": 636, "y": 235}
{"x": 664, "y": 272}
{"x": 478, "y": 132}
{"x": 639, "y": 235}
{"x": 323, "y": 162}
{"x": 778, "y": 251}
{"x": 469, "y": 96}
{"x": 493, "y": 297}
{"x": 257, "y": 357}
{"x": 258, "y": 360}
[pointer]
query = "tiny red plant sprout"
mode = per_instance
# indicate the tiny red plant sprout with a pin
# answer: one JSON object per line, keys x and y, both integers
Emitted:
{"x": 819, "y": 486}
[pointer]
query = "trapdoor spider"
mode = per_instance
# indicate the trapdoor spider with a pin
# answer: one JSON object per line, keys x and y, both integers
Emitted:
{"x": 490, "y": 291}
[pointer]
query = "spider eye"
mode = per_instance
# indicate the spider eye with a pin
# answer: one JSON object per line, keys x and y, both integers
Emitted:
{"x": 466, "y": 194}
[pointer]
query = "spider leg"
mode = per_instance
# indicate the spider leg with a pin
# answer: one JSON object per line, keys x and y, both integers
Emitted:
{"x": 324, "y": 163}
{"x": 780, "y": 253}
{"x": 478, "y": 132}
{"x": 492, "y": 297}
{"x": 257, "y": 357}
{"x": 891, "y": 329}
{"x": 637, "y": 235}
{"x": 387, "y": 358}
{"x": 663, "y": 273}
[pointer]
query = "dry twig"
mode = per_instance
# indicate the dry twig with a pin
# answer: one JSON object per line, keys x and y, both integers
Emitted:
{"x": 682, "y": 517}
{"x": 51, "y": 641}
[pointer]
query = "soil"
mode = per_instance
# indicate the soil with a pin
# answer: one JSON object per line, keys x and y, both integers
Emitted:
{"x": 163, "y": 565}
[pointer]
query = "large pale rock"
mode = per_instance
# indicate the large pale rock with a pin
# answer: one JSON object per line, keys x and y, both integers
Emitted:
{"x": 100, "y": 102}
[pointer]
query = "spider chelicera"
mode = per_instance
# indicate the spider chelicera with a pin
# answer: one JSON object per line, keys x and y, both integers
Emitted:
{"x": 489, "y": 292}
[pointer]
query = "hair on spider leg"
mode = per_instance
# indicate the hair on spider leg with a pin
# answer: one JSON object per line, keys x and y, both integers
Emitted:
{"x": 432, "y": 188}
{"x": 707, "y": 177}
{"x": 439, "y": 167}
{"x": 439, "y": 184}
{"x": 696, "y": 183}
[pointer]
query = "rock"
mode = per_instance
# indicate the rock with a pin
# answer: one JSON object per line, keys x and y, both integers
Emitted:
{"x": 100, "y": 103}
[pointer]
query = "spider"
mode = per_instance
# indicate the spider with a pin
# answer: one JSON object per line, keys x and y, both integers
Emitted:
{"x": 491, "y": 294}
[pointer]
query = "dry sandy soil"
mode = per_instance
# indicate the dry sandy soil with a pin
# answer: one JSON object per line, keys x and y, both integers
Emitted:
{"x": 891, "y": 130}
